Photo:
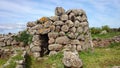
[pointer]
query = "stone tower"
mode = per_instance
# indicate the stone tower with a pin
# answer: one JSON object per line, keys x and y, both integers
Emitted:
{"x": 67, "y": 29}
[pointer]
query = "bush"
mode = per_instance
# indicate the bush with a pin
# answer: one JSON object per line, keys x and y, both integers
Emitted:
{"x": 24, "y": 37}
{"x": 95, "y": 30}
{"x": 106, "y": 27}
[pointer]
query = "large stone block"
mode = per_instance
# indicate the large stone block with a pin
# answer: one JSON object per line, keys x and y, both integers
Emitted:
{"x": 55, "y": 47}
{"x": 62, "y": 40}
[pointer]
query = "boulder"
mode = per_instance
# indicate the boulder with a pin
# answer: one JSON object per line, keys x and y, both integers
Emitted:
{"x": 2, "y": 44}
{"x": 79, "y": 48}
{"x": 55, "y": 47}
{"x": 71, "y": 17}
{"x": 64, "y": 17}
{"x": 58, "y": 23}
{"x": 57, "y": 28}
{"x": 73, "y": 29}
{"x": 65, "y": 28}
{"x": 35, "y": 49}
{"x": 62, "y": 40}
{"x": 44, "y": 30}
{"x": 30, "y": 24}
{"x": 77, "y": 23}
{"x": 52, "y": 53}
{"x": 79, "y": 30}
{"x": 53, "y": 34}
{"x": 75, "y": 42}
{"x": 54, "y": 18}
{"x": 36, "y": 54}
{"x": 69, "y": 23}
{"x": 71, "y": 35}
{"x": 47, "y": 24}
{"x": 59, "y": 11}
{"x": 51, "y": 40}
{"x": 71, "y": 60}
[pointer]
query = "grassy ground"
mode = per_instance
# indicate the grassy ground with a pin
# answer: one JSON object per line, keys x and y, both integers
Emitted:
{"x": 102, "y": 57}
{"x": 54, "y": 61}
{"x": 104, "y": 36}
{"x": 2, "y": 61}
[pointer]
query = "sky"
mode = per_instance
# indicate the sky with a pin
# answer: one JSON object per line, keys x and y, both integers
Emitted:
{"x": 14, "y": 14}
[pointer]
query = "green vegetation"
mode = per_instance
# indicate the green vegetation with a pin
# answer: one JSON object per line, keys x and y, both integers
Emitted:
{"x": 2, "y": 61}
{"x": 15, "y": 58}
{"x": 102, "y": 57}
{"x": 24, "y": 37}
{"x": 103, "y": 36}
{"x": 45, "y": 62}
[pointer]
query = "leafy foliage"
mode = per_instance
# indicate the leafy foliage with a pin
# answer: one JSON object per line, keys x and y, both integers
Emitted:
{"x": 106, "y": 27}
{"x": 24, "y": 37}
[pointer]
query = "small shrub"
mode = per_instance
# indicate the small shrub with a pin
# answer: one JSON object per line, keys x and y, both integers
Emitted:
{"x": 106, "y": 27}
{"x": 24, "y": 37}
{"x": 95, "y": 30}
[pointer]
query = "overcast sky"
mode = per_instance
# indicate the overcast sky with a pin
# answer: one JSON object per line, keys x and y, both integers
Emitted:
{"x": 14, "y": 14}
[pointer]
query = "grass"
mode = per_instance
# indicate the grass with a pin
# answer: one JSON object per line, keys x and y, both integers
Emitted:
{"x": 103, "y": 36}
{"x": 15, "y": 58}
{"x": 102, "y": 57}
{"x": 54, "y": 61}
{"x": 2, "y": 61}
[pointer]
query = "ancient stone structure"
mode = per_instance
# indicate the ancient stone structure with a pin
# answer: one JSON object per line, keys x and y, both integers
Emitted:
{"x": 56, "y": 33}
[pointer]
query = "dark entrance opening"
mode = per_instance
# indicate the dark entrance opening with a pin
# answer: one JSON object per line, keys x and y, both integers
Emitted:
{"x": 44, "y": 45}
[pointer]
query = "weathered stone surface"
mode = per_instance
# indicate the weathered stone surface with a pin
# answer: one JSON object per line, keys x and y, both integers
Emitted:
{"x": 77, "y": 23}
{"x": 84, "y": 18}
{"x": 72, "y": 60}
{"x": 36, "y": 49}
{"x": 19, "y": 66}
{"x": 8, "y": 42}
{"x": 22, "y": 44}
{"x": 71, "y": 17}
{"x": 37, "y": 43}
{"x": 35, "y": 37}
{"x": 69, "y": 23}
{"x": 79, "y": 18}
{"x": 79, "y": 48}
{"x": 54, "y": 18}
{"x": 30, "y": 24}
{"x": 2, "y": 44}
{"x": 64, "y": 17}
{"x": 52, "y": 28}
{"x": 58, "y": 23}
{"x": 53, "y": 34}
{"x": 51, "y": 40}
{"x": 62, "y": 40}
{"x": 71, "y": 35}
{"x": 59, "y": 11}
{"x": 57, "y": 28}
{"x": 47, "y": 24}
{"x": 79, "y": 30}
{"x": 75, "y": 42}
{"x": 44, "y": 31}
{"x": 64, "y": 28}
{"x": 52, "y": 53}
{"x": 37, "y": 27}
{"x": 2, "y": 39}
{"x": 55, "y": 47}
{"x": 36, "y": 54}
{"x": 61, "y": 33}
{"x": 73, "y": 29}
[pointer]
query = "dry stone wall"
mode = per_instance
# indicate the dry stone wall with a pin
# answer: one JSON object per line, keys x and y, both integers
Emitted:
{"x": 66, "y": 29}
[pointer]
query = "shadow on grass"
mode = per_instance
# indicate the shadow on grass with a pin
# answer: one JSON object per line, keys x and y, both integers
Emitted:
{"x": 28, "y": 61}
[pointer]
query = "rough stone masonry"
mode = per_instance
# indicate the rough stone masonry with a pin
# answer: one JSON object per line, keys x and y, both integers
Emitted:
{"x": 56, "y": 33}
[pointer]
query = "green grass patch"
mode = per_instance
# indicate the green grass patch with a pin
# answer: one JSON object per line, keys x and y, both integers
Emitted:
{"x": 102, "y": 57}
{"x": 47, "y": 62}
{"x": 15, "y": 58}
{"x": 103, "y": 36}
{"x": 2, "y": 61}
